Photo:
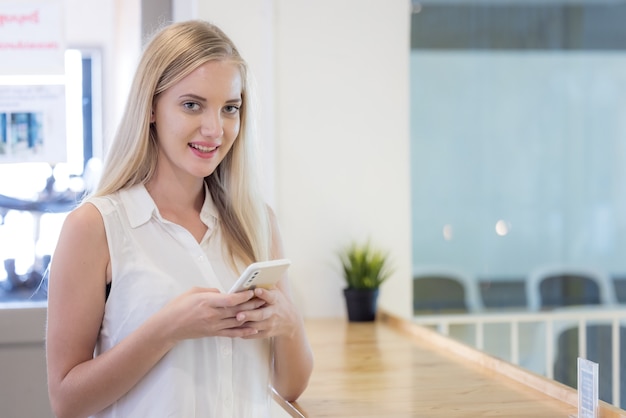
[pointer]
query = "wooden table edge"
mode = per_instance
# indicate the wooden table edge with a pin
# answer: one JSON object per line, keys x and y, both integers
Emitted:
{"x": 422, "y": 334}
{"x": 532, "y": 380}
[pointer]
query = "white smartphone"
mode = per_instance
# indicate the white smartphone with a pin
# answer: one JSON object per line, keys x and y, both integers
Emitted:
{"x": 261, "y": 274}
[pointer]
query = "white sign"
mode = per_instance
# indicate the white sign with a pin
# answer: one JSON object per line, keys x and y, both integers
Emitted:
{"x": 587, "y": 389}
{"x": 32, "y": 38}
{"x": 32, "y": 124}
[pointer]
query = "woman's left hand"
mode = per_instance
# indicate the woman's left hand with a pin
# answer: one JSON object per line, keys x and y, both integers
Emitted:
{"x": 276, "y": 317}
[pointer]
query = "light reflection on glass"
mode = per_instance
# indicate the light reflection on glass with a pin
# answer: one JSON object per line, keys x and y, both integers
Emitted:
{"x": 502, "y": 227}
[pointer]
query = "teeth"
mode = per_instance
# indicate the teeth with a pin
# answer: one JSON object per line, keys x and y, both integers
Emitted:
{"x": 202, "y": 148}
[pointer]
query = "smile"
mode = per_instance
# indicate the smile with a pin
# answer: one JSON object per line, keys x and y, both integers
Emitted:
{"x": 202, "y": 148}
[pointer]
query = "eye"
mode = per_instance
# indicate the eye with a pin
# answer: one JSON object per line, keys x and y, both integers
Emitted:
{"x": 193, "y": 106}
{"x": 231, "y": 109}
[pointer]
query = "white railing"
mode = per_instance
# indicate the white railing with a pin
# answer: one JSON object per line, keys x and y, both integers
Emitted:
{"x": 531, "y": 336}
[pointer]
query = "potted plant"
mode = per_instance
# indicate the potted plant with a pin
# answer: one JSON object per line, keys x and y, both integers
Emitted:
{"x": 364, "y": 268}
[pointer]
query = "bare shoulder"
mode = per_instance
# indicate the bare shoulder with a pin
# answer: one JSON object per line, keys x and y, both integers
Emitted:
{"x": 85, "y": 215}
{"x": 86, "y": 221}
{"x": 80, "y": 260}
{"x": 83, "y": 233}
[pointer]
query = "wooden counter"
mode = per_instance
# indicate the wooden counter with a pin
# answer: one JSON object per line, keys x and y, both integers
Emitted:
{"x": 392, "y": 368}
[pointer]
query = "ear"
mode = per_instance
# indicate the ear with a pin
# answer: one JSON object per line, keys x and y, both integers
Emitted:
{"x": 152, "y": 117}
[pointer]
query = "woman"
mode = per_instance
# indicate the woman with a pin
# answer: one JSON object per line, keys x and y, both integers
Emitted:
{"x": 139, "y": 321}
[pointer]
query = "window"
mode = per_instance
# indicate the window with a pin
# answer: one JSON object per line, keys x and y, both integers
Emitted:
{"x": 45, "y": 191}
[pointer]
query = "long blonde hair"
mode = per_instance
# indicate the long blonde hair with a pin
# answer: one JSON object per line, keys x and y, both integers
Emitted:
{"x": 173, "y": 53}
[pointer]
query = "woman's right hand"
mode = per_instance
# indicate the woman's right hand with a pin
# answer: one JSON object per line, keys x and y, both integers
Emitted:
{"x": 204, "y": 312}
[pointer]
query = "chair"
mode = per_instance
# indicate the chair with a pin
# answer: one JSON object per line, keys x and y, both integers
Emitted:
{"x": 559, "y": 286}
{"x": 599, "y": 345}
{"x": 562, "y": 285}
{"x": 444, "y": 289}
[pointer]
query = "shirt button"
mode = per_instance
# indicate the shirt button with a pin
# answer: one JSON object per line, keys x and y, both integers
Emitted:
{"x": 226, "y": 350}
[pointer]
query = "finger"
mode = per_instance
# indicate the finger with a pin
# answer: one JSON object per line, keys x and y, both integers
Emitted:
{"x": 266, "y": 295}
{"x": 242, "y": 332}
{"x": 256, "y": 335}
{"x": 234, "y": 299}
{"x": 231, "y": 323}
{"x": 255, "y": 315}
{"x": 231, "y": 312}
{"x": 250, "y": 305}
{"x": 197, "y": 289}
{"x": 239, "y": 333}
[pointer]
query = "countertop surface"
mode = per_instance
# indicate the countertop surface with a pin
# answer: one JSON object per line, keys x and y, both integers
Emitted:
{"x": 391, "y": 368}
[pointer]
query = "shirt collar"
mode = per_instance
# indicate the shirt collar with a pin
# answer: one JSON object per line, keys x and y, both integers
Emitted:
{"x": 140, "y": 207}
{"x": 208, "y": 213}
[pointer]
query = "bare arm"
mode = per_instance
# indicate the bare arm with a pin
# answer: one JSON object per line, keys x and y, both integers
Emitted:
{"x": 293, "y": 363}
{"x": 81, "y": 385}
{"x": 280, "y": 319}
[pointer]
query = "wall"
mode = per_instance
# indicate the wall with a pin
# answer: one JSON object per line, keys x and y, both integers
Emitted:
{"x": 333, "y": 84}
{"x": 23, "y": 387}
{"x": 113, "y": 28}
{"x": 337, "y": 73}
{"x": 334, "y": 96}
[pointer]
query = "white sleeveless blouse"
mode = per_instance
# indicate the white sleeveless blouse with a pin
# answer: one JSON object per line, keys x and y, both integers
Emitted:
{"x": 154, "y": 260}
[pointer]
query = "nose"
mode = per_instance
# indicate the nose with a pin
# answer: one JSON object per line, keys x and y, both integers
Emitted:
{"x": 212, "y": 125}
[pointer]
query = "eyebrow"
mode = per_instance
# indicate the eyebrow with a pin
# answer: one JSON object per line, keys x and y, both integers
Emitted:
{"x": 202, "y": 99}
{"x": 193, "y": 96}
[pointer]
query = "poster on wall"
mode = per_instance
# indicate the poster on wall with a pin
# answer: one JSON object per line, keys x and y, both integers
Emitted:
{"x": 32, "y": 38}
{"x": 32, "y": 124}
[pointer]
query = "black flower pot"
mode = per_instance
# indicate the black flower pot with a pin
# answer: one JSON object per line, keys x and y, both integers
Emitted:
{"x": 361, "y": 304}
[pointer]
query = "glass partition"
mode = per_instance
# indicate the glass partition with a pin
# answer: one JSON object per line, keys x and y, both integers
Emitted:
{"x": 518, "y": 140}
{"x": 518, "y": 159}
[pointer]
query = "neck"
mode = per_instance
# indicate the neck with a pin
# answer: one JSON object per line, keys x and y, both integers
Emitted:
{"x": 171, "y": 195}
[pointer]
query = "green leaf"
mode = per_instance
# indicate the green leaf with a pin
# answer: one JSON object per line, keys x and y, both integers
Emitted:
{"x": 364, "y": 267}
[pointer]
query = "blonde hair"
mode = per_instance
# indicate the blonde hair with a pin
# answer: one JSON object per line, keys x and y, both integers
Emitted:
{"x": 173, "y": 53}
